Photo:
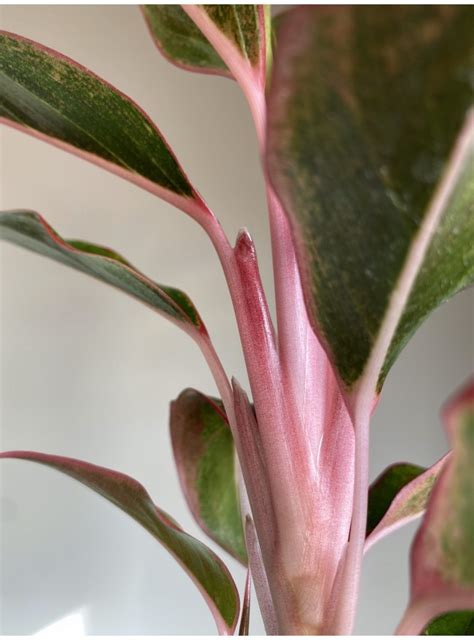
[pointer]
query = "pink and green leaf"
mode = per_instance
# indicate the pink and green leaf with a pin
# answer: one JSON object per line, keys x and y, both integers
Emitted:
{"x": 45, "y": 94}
{"x": 180, "y": 40}
{"x": 205, "y": 458}
{"x": 380, "y": 205}
{"x": 241, "y": 35}
{"x": 442, "y": 555}
{"x": 206, "y": 570}
{"x": 398, "y": 496}
{"x": 29, "y": 230}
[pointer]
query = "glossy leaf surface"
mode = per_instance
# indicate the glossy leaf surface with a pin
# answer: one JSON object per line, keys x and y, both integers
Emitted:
{"x": 29, "y": 230}
{"x": 204, "y": 454}
{"x": 398, "y": 496}
{"x": 46, "y": 94}
{"x": 458, "y": 623}
{"x": 366, "y": 106}
{"x": 442, "y": 556}
{"x": 179, "y": 39}
{"x": 204, "y": 567}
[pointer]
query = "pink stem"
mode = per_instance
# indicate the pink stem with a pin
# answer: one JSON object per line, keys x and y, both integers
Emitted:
{"x": 350, "y": 584}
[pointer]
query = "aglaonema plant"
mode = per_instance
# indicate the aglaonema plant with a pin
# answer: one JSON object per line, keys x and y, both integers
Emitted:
{"x": 366, "y": 134}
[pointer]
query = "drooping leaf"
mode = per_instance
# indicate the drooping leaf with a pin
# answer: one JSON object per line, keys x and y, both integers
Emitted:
{"x": 365, "y": 109}
{"x": 442, "y": 555}
{"x": 204, "y": 454}
{"x": 457, "y": 623}
{"x": 240, "y": 33}
{"x": 29, "y": 230}
{"x": 206, "y": 570}
{"x": 180, "y": 41}
{"x": 398, "y": 496}
{"x": 54, "y": 98}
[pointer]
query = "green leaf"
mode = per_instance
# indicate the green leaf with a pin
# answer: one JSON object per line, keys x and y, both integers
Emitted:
{"x": 398, "y": 496}
{"x": 365, "y": 108}
{"x": 204, "y": 567}
{"x": 179, "y": 39}
{"x": 240, "y": 33}
{"x": 442, "y": 555}
{"x": 385, "y": 488}
{"x": 457, "y": 623}
{"x": 29, "y": 230}
{"x": 204, "y": 454}
{"x": 48, "y": 95}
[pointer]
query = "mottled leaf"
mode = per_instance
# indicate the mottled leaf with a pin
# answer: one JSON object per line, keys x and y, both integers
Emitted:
{"x": 180, "y": 41}
{"x": 398, "y": 496}
{"x": 442, "y": 555}
{"x": 204, "y": 454}
{"x": 48, "y": 95}
{"x": 29, "y": 230}
{"x": 206, "y": 570}
{"x": 365, "y": 112}
{"x": 240, "y": 33}
{"x": 457, "y": 623}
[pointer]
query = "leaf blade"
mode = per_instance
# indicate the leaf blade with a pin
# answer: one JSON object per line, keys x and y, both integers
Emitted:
{"x": 204, "y": 454}
{"x": 54, "y": 98}
{"x": 204, "y": 567}
{"x": 180, "y": 41}
{"x": 442, "y": 554}
{"x": 356, "y": 175}
{"x": 29, "y": 230}
{"x": 398, "y": 496}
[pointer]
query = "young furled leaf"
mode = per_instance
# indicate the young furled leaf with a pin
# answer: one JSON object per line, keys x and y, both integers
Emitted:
{"x": 180, "y": 40}
{"x": 204, "y": 454}
{"x": 380, "y": 199}
{"x": 206, "y": 570}
{"x": 45, "y": 94}
{"x": 442, "y": 555}
{"x": 398, "y": 496}
{"x": 29, "y": 230}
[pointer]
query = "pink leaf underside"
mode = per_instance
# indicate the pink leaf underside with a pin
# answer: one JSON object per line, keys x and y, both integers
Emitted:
{"x": 442, "y": 557}
{"x": 408, "y": 505}
{"x": 201, "y": 564}
{"x": 194, "y": 206}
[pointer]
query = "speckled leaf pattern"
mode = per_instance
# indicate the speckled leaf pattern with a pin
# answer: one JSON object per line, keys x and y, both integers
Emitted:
{"x": 204, "y": 453}
{"x": 384, "y": 489}
{"x": 179, "y": 39}
{"x": 204, "y": 567}
{"x": 442, "y": 557}
{"x": 53, "y": 97}
{"x": 365, "y": 109}
{"x": 398, "y": 496}
{"x": 457, "y": 623}
{"x": 29, "y": 230}
{"x": 240, "y": 23}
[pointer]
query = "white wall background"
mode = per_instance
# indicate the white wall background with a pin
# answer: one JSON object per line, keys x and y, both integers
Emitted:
{"x": 89, "y": 373}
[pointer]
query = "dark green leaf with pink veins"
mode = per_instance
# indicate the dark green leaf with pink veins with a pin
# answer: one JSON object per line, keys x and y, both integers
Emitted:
{"x": 369, "y": 151}
{"x": 205, "y": 458}
{"x": 204, "y": 567}
{"x": 29, "y": 230}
